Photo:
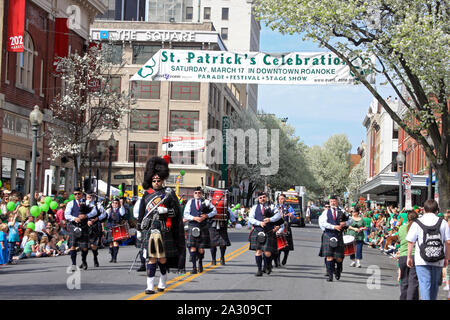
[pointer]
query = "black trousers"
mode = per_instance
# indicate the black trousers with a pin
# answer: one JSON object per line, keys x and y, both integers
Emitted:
{"x": 409, "y": 284}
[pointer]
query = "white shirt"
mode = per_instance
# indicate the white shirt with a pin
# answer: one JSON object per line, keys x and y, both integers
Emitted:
{"x": 187, "y": 210}
{"x": 323, "y": 220}
{"x": 415, "y": 234}
{"x": 253, "y": 221}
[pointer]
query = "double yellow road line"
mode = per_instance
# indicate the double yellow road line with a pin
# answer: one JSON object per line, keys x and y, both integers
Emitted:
{"x": 177, "y": 281}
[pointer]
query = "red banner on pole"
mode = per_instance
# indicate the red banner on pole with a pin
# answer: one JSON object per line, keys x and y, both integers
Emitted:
{"x": 61, "y": 38}
{"x": 16, "y": 25}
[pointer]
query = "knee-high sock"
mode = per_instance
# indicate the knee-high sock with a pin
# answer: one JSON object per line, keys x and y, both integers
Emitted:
{"x": 84, "y": 254}
{"x": 73, "y": 257}
{"x": 339, "y": 266}
{"x": 115, "y": 252}
{"x": 222, "y": 252}
{"x": 267, "y": 261}
{"x": 95, "y": 253}
{"x": 330, "y": 267}
{"x": 163, "y": 278}
{"x": 111, "y": 251}
{"x": 213, "y": 253}
{"x": 258, "y": 260}
{"x": 194, "y": 259}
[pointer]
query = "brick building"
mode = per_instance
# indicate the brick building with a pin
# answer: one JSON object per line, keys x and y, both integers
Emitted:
{"x": 27, "y": 80}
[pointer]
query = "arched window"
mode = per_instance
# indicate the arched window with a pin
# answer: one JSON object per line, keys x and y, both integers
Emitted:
{"x": 25, "y": 62}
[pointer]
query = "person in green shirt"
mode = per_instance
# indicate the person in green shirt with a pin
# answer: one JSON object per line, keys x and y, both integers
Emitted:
{"x": 409, "y": 284}
{"x": 367, "y": 223}
{"x": 356, "y": 230}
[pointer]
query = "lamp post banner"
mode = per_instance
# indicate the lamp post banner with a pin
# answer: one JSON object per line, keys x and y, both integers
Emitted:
{"x": 306, "y": 68}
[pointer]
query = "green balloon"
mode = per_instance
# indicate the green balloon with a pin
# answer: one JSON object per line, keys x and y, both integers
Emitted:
{"x": 47, "y": 200}
{"x": 121, "y": 194}
{"x": 11, "y": 206}
{"x": 53, "y": 205}
{"x": 35, "y": 211}
{"x": 30, "y": 225}
{"x": 120, "y": 187}
{"x": 1, "y": 183}
{"x": 182, "y": 172}
{"x": 238, "y": 206}
{"x": 45, "y": 207}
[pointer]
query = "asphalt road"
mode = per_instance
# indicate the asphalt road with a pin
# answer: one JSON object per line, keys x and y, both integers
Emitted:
{"x": 302, "y": 278}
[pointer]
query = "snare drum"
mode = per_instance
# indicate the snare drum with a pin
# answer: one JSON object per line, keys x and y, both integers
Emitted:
{"x": 281, "y": 242}
{"x": 220, "y": 201}
{"x": 120, "y": 233}
{"x": 349, "y": 245}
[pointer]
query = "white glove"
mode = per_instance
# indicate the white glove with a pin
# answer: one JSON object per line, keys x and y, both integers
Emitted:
{"x": 162, "y": 210}
{"x": 207, "y": 202}
{"x": 138, "y": 235}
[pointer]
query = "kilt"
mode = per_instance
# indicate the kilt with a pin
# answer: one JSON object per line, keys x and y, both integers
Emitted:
{"x": 289, "y": 239}
{"x": 269, "y": 245}
{"x": 95, "y": 234}
{"x": 169, "y": 245}
{"x": 81, "y": 242}
{"x": 327, "y": 251}
{"x": 201, "y": 241}
{"x": 219, "y": 237}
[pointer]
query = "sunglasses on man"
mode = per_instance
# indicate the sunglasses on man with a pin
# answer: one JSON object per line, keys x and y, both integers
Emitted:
{"x": 157, "y": 180}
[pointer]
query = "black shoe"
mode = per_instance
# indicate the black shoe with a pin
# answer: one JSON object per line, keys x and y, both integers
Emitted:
{"x": 259, "y": 273}
{"x": 264, "y": 270}
{"x": 160, "y": 289}
{"x": 84, "y": 266}
{"x": 149, "y": 291}
{"x": 283, "y": 262}
{"x": 114, "y": 261}
{"x": 194, "y": 271}
{"x": 337, "y": 275}
{"x": 222, "y": 261}
{"x": 213, "y": 263}
{"x": 330, "y": 279}
{"x": 142, "y": 268}
{"x": 200, "y": 268}
{"x": 96, "y": 263}
{"x": 269, "y": 269}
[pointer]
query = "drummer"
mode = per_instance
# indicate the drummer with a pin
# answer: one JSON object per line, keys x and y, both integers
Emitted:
{"x": 115, "y": 216}
{"x": 356, "y": 229}
{"x": 288, "y": 215}
{"x": 333, "y": 222}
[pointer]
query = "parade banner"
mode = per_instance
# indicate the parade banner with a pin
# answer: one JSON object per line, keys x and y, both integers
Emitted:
{"x": 307, "y": 68}
{"x": 16, "y": 25}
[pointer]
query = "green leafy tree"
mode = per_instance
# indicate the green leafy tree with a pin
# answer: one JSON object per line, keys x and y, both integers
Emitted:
{"x": 410, "y": 42}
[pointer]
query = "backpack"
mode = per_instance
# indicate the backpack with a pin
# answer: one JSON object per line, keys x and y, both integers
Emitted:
{"x": 432, "y": 248}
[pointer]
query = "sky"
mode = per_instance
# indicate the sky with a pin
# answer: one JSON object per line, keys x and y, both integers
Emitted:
{"x": 316, "y": 112}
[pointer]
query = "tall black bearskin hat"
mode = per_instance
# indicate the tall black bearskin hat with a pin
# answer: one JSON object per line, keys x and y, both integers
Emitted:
{"x": 155, "y": 166}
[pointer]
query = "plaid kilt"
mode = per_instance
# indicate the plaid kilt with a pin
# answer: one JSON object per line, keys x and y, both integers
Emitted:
{"x": 82, "y": 242}
{"x": 219, "y": 237}
{"x": 269, "y": 245}
{"x": 327, "y": 251}
{"x": 95, "y": 234}
{"x": 200, "y": 242}
{"x": 289, "y": 239}
{"x": 169, "y": 245}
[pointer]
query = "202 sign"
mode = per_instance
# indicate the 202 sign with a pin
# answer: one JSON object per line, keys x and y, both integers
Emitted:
{"x": 16, "y": 41}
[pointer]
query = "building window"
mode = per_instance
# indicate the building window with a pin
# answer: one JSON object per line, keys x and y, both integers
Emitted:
{"x": 183, "y": 157}
{"x": 142, "y": 53}
{"x": 186, "y": 120}
{"x": 144, "y": 150}
{"x": 185, "y": 91}
{"x": 15, "y": 125}
{"x": 41, "y": 86}
{"x": 225, "y": 12}
{"x": 104, "y": 157}
{"x": 112, "y": 53}
{"x": 207, "y": 13}
{"x": 145, "y": 89}
{"x": 224, "y": 33}
{"x": 147, "y": 120}
{"x": 6, "y": 172}
{"x": 25, "y": 62}
{"x": 189, "y": 13}
{"x": 113, "y": 84}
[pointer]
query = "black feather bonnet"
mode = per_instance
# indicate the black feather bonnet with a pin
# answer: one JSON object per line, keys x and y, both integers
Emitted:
{"x": 155, "y": 166}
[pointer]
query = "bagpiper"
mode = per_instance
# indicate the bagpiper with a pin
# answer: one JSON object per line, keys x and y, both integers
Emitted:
{"x": 160, "y": 224}
{"x": 288, "y": 214}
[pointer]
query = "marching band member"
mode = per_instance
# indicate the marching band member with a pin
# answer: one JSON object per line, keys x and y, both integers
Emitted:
{"x": 262, "y": 236}
{"x": 160, "y": 224}
{"x": 115, "y": 214}
{"x": 218, "y": 233}
{"x": 77, "y": 213}
{"x": 196, "y": 212}
{"x": 287, "y": 213}
{"x": 95, "y": 227}
{"x": 333, "y": 222}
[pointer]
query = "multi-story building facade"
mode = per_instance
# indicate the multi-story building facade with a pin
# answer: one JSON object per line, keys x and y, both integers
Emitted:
{"x": 162, "y": 108}
{"x": 27, "y": 79}
{"x": 383, "y": 142}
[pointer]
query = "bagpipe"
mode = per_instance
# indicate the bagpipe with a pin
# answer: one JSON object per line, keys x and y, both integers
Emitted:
{"x": 269, "y": 227}
{"x": 156, "y": 212}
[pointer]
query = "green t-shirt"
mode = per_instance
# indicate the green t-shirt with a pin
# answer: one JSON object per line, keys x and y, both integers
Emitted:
{"x": 402, "y": 232}
{"x": 357, "y": 224}
{"x": 367, "y": 221}
{"x": 28, "y": 247}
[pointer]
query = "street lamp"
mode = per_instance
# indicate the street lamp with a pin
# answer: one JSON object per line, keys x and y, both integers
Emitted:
{"x": 100, "y": 151}
{"x": 36, "y": 118}
{"x": 400, "y": 160}
{"x": 111, "y": 144}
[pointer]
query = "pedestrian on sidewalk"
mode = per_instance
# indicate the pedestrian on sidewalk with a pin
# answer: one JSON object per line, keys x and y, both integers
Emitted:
{"x": 428, "y": 267}
{"x": 409, "y": 284}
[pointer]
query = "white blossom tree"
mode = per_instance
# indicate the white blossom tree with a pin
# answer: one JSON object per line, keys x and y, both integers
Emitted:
{"x": 89, "y": 104}
{"x": 356, "y": 179}
{"x": 410, "y": 42}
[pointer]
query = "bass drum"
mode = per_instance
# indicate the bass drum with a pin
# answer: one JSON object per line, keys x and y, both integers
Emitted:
{"x": 220, "y": 201}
